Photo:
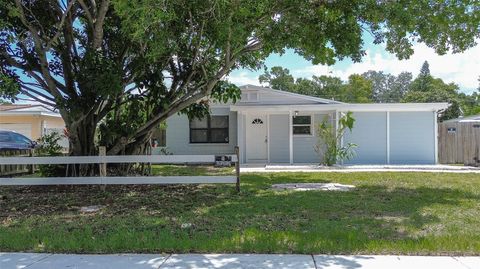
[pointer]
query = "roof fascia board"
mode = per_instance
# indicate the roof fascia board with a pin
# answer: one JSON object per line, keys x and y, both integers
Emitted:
{"x": 347, "y": 107}
{"x": 29, "y": 113}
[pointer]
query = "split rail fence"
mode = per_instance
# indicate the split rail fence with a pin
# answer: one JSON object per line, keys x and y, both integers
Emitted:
{"x": 15, "y": 169}
{"x": 117, "y": 180}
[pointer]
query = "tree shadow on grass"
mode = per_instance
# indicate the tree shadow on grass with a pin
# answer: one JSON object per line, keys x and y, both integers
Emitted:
{"x": 333, "y": 222}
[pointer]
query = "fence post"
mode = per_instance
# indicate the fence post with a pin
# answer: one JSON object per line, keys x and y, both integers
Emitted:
{"x": 102, "y": 151}
{"x": 31, "y": 168}
{"x": 237, "y": 167}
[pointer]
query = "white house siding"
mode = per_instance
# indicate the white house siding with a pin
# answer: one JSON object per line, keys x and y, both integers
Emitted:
{"x": 412, "y": 138}
{"x": 279, "y": 147}
{"x": 370, "y": 135}
{"x": 178, "y": 136}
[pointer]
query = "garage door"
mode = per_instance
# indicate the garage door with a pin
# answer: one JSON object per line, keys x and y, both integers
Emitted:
{"x": 412, "y": 139}
{"x": 370, "y": 134}
{"x": 21, "y": 128}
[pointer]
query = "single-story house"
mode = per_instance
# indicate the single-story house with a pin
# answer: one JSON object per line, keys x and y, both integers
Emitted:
{"x": 272, "y": 126}
{"x": 30, "y": 120}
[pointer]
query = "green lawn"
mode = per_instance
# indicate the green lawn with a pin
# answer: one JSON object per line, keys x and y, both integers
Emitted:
{"x": 388, "y": 213}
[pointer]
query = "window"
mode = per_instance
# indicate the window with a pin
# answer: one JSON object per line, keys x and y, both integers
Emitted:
{"x": 257, "y": 121}
{"x": 21, "y": 139}
{"x": 249, "y": 97}
{"x": 302, "y": 125}
{"x": 213, "y": 129}
{"x": 5, "y": 137}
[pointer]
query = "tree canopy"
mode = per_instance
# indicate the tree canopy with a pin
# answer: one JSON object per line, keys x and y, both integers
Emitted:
{"x": 93, "y": 60}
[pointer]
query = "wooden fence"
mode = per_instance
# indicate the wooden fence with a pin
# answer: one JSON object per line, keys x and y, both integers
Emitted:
{"x": 459, "y": 142}
{"x": 106, "y": 180}
{"x": 15, "y": 169}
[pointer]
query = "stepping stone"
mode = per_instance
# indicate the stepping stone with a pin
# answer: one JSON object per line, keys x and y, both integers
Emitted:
{"x": 312, "y": 187}
{"x": 91, "y": 209}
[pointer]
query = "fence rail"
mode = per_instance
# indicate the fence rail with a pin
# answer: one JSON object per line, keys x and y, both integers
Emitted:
{"x": 170, "y": 159}
{"x": 32, "y": 181}
{"x": 11, "y": 169}
{"x": 114, "y": 180}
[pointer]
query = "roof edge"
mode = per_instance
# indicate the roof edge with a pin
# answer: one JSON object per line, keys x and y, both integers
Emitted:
{"x": 369, "y": 107}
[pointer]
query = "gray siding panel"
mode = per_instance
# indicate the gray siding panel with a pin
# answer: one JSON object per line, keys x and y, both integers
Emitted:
{"x": 370, "y": 135}
{"x": 279, "y": 142}
{"x": 304, "y": 146}
{"x": 412, "y": 138}
{"x": 276, "y": 98}
{"x": 178, "y": 136}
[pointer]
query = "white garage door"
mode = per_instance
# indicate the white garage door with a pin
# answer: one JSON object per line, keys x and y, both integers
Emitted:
{"x": 21, "y": 128}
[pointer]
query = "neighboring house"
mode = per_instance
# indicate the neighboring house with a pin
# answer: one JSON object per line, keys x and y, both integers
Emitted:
{"x": 272, "y": 126}
{"x": 30, "y": 120}
{"x": 474, "y": 119}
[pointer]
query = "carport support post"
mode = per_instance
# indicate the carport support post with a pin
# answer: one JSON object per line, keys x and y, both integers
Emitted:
{"x": 102, "y": 151}
{"x": 237, "y": 167}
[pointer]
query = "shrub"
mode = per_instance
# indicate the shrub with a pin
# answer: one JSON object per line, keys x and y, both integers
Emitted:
{"x": 48, "y": 145}
{"x": 328, "y": 145}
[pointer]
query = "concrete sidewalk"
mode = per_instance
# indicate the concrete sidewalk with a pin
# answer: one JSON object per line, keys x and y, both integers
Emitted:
{"x": 229, "y": 261}
{"x": 435, "y": 168}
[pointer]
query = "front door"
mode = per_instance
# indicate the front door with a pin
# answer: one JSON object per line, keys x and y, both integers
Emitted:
{"x": 256, "y": 138}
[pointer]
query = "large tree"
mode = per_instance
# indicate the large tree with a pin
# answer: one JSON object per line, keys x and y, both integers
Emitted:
{"x": 90, "y": 58}
{"x": 425, "y": 88}
{"x": 356, "y": 90}
{"x": 388, "y": 88}
{"x": 278, "y": 78}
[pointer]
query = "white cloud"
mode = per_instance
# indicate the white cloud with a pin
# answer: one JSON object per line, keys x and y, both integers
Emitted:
{"x": 243, "y": 78}
{"x": 462, "y": 69}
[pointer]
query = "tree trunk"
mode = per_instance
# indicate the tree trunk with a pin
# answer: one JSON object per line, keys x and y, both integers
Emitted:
{"x": 82, "y": 142}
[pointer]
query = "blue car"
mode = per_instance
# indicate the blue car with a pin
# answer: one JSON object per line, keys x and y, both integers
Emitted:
{"x": 13, "y": 140}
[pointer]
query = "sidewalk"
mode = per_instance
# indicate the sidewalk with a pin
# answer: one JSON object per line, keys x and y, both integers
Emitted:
{"x": 435, "y": 168}
{"x": 229, "y": 261}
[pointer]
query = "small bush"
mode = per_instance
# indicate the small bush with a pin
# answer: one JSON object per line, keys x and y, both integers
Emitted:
{"x": 328, "y": 145}
{"x": 48, "y": 145}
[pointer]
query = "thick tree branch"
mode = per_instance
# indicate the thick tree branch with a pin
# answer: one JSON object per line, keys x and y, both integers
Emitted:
{"x": 60, "y": 26}
{"x": 98, "y": 27}
{"x": 87, "y": 12}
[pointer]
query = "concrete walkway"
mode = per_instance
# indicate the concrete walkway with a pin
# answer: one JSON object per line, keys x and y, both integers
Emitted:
{"x": 229, "y": 261}
{"x": 438, "y": 168}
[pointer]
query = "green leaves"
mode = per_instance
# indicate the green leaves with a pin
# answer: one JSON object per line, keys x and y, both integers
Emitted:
{"x": 225, "y": 92}
{"x": 329, "y": 140}
{"x": 9, "y": 87}
{"x": 346, "y": 121}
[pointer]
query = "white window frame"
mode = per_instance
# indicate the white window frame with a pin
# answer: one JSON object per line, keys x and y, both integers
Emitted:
{"x": 312, "y": 131}
{"x": 210, "y": 143}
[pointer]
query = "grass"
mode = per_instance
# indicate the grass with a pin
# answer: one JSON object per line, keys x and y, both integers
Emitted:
{"x": 388, "y": 213}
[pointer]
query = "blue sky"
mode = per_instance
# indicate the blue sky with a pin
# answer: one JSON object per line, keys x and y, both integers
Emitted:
{"x": 462, "y": 69}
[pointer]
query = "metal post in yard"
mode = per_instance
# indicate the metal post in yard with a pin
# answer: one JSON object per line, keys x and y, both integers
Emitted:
{"x": 237, "y": 167}
{"x": 102, "y": 151}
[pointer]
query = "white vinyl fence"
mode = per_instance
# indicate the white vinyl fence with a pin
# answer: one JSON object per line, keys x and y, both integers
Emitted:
{"x": 105, "y": 180}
